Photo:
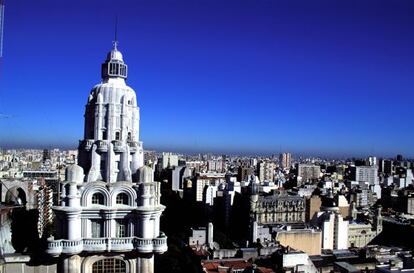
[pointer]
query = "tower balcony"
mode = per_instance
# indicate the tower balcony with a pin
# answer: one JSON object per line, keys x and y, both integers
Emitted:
{"x": 86, "y": 144}
{"x": 160, "y": 244}
{"x": 94, "y": 244}
{"x": 102, "y": 146}
{"x": 118, "y": 146}
{"x": 124, "y": 244}
{"x": 133, "y": 145}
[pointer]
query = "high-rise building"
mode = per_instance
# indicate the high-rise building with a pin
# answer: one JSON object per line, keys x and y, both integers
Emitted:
{"x": 367, "y": 174}
{"x": 266, "y": 171}
{"x": 386, "y": 166}
{"x": 285, "y": 160}
{"x": 108, "y": 220}
{"x": 334, "y": 227}
{"x": 307, "y": 172}
{"x": 215, "y": 165}
{"x": 372, "y": 161}
{"x": 46, "y": 155}
{"x": 169, "y": 160}
{"x": 244, "y": 173}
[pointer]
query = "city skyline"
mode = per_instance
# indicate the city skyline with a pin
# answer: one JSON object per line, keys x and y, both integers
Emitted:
{"x": 321, "y": 78}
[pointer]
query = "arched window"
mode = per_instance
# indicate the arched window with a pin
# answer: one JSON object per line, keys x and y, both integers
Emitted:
{"x": 117, "y": 136}
{"x": 110, "y": 265}
{"x": 122, "y": 198}
{"x": 129, "y": 136}
{"x": 98, "y": 198}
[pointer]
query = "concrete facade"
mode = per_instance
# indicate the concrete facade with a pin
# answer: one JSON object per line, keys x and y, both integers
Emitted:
{"x": 306, "y": 240}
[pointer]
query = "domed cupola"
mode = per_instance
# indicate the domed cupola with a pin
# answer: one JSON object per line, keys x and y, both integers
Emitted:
{"x": 111, "y": 150}
{"x": 114, "y": 66}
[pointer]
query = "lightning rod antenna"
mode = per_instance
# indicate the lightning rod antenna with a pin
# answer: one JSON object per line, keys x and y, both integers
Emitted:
{"x": 116, "y": 33}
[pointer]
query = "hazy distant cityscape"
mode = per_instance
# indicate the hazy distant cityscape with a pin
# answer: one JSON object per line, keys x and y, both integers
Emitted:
{"x": 240, "y": 212}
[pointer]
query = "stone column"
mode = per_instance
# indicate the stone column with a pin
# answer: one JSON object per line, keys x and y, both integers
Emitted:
{"x": 147, "y": 230}
{"x": 145, "y": 265}
{"x": 70, "y": 264}
{"x": 74, "y": 225}
{"x": 157, "y": 225}
{"x": 107, "y": 224}
{"x": 73, "y": 196}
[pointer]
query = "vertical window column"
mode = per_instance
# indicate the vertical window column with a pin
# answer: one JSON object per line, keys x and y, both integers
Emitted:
{"x": 96, "y": 228}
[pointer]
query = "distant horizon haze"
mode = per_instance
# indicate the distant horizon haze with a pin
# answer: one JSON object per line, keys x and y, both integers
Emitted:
{"x": 252, "y": 153}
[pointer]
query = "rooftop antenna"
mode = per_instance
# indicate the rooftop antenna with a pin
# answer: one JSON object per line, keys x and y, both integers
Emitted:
{"x": 116, "y": 33}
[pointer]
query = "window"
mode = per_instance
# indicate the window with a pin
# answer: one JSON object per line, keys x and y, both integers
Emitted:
{"x": 96, "y": 228}
{"x": 117, "y": 136}
{"x": 104, "y": 135}
{"x": 122, "y": 198}
{"x": 129, "y": 136}
{"x": 121, "y": 228}
{"x": 110, "y": 265}
{"x": 98, "y": 198}
{"x": 112, "y": 69}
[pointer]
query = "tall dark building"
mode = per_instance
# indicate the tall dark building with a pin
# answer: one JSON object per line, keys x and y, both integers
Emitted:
{"x": 386, "y": 166}
{"x": 46, "y": 155}
{"x": 244, "y": 173}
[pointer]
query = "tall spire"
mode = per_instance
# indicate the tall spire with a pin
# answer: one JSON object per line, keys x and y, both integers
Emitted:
{"x": 115, "y": 42}
{"x": 114, "y": 66}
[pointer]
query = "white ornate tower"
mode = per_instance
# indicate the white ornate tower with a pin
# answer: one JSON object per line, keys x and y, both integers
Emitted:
{"x": 108, "y": 219}
{"x": 111, "y": 150}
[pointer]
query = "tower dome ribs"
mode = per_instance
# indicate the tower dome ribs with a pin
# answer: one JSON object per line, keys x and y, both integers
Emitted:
{"x": 111, "y": 150}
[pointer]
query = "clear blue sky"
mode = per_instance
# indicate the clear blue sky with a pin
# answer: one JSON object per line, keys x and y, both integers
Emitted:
{"x": 311, "y": 77}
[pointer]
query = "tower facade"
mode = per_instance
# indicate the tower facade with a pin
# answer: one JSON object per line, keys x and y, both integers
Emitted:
{"x": 111, "y": 150}
{"x": 108, "y": 218}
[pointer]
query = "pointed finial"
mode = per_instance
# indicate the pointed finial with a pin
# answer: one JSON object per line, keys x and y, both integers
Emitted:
{"x": 115, "y": 42}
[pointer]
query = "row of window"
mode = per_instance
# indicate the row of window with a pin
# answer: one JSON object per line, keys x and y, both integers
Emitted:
{"x": 117, "y": 135}
{"x": 97, "y": 228}
{"x": 121, "y": 199}
{"x": 117, "y": 69}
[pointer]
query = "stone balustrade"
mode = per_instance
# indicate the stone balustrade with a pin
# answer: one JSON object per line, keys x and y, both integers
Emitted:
{"x": 121, "y": 244}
